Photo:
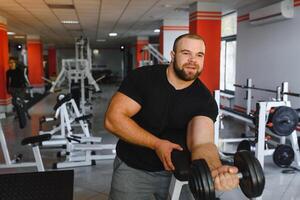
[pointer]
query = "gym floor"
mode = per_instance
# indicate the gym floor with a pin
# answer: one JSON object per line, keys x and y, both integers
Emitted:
{"x": 93, "y": 182}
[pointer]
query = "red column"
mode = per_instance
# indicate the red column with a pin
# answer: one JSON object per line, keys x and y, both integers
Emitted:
{"x": 4, "y": 96}
{"x": 35, "y": 61}
{"x": 52, "y": 61}
{"x": 205, "y": 20}
{"x": 141, "y": 42}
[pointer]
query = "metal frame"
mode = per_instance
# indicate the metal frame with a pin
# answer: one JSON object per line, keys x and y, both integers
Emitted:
{"x": 11, "y": 163}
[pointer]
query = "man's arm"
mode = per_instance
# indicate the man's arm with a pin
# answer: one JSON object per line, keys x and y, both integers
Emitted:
{"x": 118, "y": 121}
{"x": 200, "y": 142}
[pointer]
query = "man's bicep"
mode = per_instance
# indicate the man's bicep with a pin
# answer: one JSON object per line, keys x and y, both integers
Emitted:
{"x": 122, "y": 104}
{"x": 200, "y": 130}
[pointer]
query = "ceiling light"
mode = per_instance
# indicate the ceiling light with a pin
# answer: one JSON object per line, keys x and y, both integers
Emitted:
{"x": 70, "y": 22}
{"x": 95, "y": 51}
{"x": 101, "y": 40}
{"x": 157, "y": 30}
{"x": 19, "y": 47}
{"x": 11, "y": 33}
{"x": 167, "y": 5}
{"x": 113, "y": 34}
{"x": 19, "y": 36}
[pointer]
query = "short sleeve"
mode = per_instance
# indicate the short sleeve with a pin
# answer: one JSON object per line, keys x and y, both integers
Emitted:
{"x": 132, "y": 85}
{"x": 210, "y": 110}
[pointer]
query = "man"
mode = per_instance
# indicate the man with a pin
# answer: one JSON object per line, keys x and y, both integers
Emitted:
{"x": 15, "y": 79}
{"x": 162, "y": 109}
{"x": 16, "y": 83}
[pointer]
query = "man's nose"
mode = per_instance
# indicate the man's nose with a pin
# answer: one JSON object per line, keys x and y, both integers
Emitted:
{"x": 192, "y": 58}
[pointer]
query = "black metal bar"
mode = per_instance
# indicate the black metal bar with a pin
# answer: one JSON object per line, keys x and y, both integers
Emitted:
{"x": 267, "y": 90}
{"x": 255, "y": 88}
{"x": 292, "y": 94}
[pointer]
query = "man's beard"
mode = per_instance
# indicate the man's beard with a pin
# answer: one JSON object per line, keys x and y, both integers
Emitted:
{"x": 180, "y": 73}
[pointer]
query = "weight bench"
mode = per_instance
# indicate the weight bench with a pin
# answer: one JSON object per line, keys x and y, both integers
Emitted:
{"x": 51, "y": 185}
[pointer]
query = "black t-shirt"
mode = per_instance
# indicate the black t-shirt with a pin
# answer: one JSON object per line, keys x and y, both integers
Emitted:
{"x": 15, "y": 78}
{"x": 165, "y": 112}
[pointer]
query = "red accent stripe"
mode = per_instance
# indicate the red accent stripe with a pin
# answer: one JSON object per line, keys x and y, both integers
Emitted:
{"x": 5, "y": 101}
{"x": 3, "y": 27}
{"x": 142, "y": 42}
{"x": 202, "y": 15}
{"x": 241, "y": 108}
{"x": 204, "y": 18}
{"x": 174, "y": 28}
{"x": 34, "y": 41}
{"x": 243, "y": 18}
{"x": 297, "y": 4}
{"x": 205, "y": 12}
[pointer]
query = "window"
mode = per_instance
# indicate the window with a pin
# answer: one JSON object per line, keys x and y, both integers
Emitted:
{"x": 228, "y": 52}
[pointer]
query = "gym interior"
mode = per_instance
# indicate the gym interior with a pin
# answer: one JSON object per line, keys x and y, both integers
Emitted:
{"x": 72, "y": 56}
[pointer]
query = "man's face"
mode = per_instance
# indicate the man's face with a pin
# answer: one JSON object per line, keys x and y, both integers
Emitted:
{"x": 12, "y": 64}
{"x": 188, "y": 58}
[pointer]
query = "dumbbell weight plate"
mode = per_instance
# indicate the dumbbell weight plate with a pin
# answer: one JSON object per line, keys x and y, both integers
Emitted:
{"x": 283, "y": 155}
{"x": 284, "y": 120}
{"x": 181, "y": 161}
{"x": 200, "y": 181}
{"x": 244, "y": 145}
{"x": 253, "y": 182}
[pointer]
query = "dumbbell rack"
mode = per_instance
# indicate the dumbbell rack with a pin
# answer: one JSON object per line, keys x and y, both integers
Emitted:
{"x": 264, "y": 108}
{"x": 261, "y": 152}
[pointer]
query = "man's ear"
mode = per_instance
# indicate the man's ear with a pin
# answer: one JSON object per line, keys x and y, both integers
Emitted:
{"x": 172, "y": 54}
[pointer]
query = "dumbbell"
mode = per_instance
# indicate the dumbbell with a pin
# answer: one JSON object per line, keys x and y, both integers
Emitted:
{"x": 252, "y": 179}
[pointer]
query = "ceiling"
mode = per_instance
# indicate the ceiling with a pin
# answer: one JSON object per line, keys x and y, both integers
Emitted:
{"x": 97, "y": 18}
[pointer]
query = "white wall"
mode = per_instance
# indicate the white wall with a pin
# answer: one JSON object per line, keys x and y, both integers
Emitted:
{"x": 269, "y": 54}
{"x": 64, "y": 54}
{"x": 169, "y": 36}
{"x": 111, "y": 58}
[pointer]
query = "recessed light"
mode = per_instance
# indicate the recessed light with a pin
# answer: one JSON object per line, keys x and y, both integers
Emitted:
{"x": 113, "y": 34}
{"x": 101, "y": 40}
{"x": 11, "y": 33}
{"x": 19, "y": 36}
{"x": 70, "y": 22}
{"x": 167, "y": 5}
{"x": 156, "y": 30}
{"x": 95, "y": 51}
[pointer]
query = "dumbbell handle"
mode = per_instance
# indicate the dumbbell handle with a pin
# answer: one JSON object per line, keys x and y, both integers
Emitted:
{"x": 240, "y": 175}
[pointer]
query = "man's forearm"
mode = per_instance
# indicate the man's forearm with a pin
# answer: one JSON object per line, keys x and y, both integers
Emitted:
{"x": 128, "y": 130}
{"x": 209, "y": 152}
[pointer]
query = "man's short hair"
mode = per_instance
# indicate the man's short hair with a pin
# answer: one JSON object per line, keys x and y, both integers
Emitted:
{"x": 187, "y": 35}
{"x": 12, "y": 58}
